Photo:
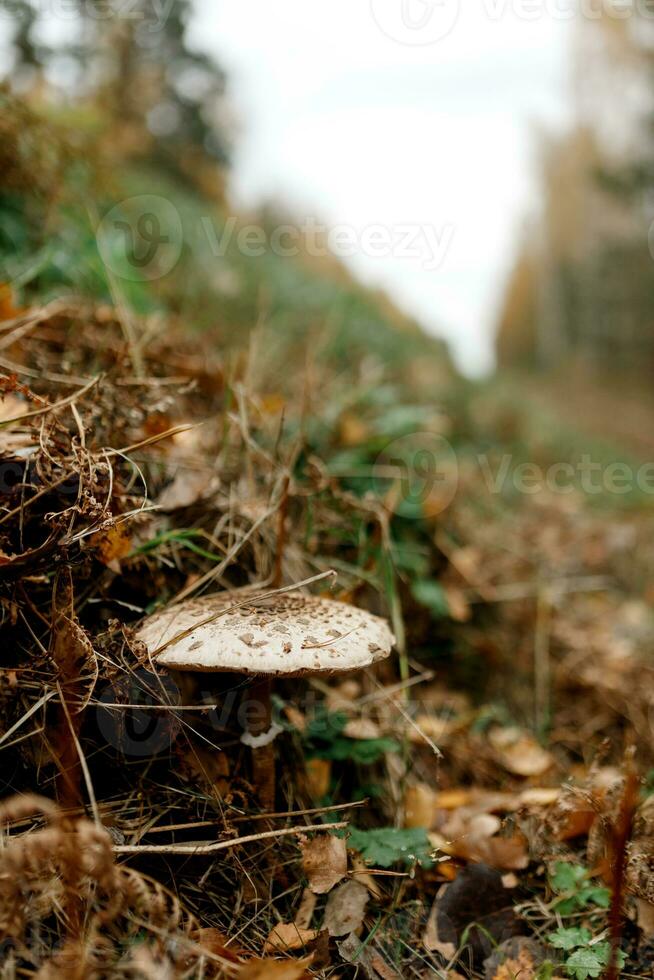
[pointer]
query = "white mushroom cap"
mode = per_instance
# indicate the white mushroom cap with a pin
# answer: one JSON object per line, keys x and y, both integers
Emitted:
{"x": 288, "y": 634}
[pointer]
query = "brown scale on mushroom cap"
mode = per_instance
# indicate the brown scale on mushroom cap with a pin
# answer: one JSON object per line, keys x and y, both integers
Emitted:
{"x": 289, "y": 634}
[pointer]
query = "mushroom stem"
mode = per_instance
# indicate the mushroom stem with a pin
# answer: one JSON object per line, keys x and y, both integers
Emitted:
{"x": 263, "y": 756}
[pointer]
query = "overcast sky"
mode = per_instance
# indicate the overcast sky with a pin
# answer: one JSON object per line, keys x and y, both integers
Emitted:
{"x": 413, "y": 115}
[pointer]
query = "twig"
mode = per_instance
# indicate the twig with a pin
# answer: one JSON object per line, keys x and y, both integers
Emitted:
{"x": 82, "y": 759}
{"x": 62, "y": 403}
{"x": 297, "y": 813}
{"x": 28, "y": 714}
{"x": 223, "y": 845}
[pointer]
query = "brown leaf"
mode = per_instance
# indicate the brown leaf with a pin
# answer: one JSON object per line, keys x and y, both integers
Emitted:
{"x": 214, "y": 941}
{"x": 519, "y": 753}
{"x": 363, "y": 956}
{"x": 457, "y": 604}
{"x": 540, "y": 796}
{"x": 318, "y": 777}
{"x": 286, "y": 936}
{"x": 645, "y": 912}
{"x": 324, "y": 860}
{"x": 420, "y": 805}
{"x": 267, "y": 969}
{"x": 111, "y": 545}
{"x": 345, "y": 909}
{"x": 362, "y": 729}
{"x": 305, "y": 909}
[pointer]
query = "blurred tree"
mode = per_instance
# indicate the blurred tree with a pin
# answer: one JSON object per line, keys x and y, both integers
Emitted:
{"x": 159, "y": 95}
{"x": 28, "y": 54}
{"x": 583, "y": 287}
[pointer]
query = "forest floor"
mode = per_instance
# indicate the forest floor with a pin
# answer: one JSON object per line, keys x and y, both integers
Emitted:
{"x": 479, "y": 804}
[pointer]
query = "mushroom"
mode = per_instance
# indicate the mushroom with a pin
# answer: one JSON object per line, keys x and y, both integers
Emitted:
{"x": 262, "y": 636}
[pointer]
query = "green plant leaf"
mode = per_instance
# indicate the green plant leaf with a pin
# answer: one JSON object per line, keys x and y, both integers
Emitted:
{"x": 591, "y": 961}
{"x": 567, "y": 877}
{"x": 569, "y": 938}
{"x": 388, "y": 846}
{"x": 364, "y": 751}
{"x": 432, "y": 595}
{"x": 596, "y": 895}
{"x": 577, "y": 892}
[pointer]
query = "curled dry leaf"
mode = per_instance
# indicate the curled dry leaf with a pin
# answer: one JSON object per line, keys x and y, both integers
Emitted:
{"x": 345, "y": 909}
{"x": 287, "y": 936}
{"x": 324, "y": 860}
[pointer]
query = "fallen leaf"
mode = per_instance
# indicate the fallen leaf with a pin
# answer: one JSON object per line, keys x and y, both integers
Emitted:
{"x": 286, "y": 936}
{"x": 539, "y": 796}
{"x": 346, "y": 908}
{"x": 324, "y": 860}
{"x": 362, "y": 728}
{"x": 319, "y": 773}
{"x": 214, "y": 941}
{"x": 518, "y": 957}
{"x": 452, "y": 799}
{"x": 111, "y": 545}
{"x": 186, "y": 488}
{"x": 457, "y": 604}
{"x": 305, "y": 909}
{"x": 472, "y": 836}
{"x": 257, "y": 969}
{"x": 645, "y": 920}
{"x": 341, "y": 698}
{"x": 420, "y": 806}
{"x": 519, "y": 753}
{"x": 367, "y": 959}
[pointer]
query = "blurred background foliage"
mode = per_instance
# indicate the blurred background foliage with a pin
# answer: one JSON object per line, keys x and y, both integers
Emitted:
{"x": 582, "y": 290}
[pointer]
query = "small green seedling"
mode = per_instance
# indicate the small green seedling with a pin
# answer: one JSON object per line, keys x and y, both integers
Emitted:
{"x": 585, "y": 957}
{"x": 575, "y": 892}
{"x": 325, "y": 740}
